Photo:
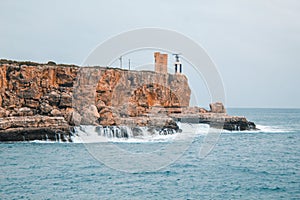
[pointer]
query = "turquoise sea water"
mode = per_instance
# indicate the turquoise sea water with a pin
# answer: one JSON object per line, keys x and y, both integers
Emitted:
{"x": 243, "y": 165}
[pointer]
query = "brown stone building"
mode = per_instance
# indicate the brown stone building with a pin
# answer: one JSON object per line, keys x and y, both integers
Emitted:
{"x": 161, "y": 63}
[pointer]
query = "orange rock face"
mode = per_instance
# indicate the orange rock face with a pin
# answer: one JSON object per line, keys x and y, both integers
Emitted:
{"x": 61, "y": 90}
{"x": 68, "y": 95}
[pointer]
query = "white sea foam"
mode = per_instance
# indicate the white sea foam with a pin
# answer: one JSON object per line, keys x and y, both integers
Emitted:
{"x": 272, "y": 129}
{"x": 89, "y": 134}
{"x": 43, "y": 141}
{"x": 262, "y": 129}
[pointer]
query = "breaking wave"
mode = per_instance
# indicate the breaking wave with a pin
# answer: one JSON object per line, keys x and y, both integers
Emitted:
{"x": 263, "y": 129}
{"x": 124, "y": 134}
{"x": 96, "y": 134}
{"x": 272, "y": 129}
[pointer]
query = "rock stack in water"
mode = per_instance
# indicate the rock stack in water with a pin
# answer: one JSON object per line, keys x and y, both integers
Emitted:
{"x": 45, "y": 101}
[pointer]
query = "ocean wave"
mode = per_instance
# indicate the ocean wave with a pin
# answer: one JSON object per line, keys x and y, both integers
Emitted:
{"x": 263, "y": 129}
{"x": 45, "y": 141}
{"x": 272, "y": 129}
{"x": 90, "y": 134}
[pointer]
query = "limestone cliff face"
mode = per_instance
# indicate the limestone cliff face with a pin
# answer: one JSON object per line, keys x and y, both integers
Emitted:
{"x": 30, "y": 90}
{"x": 86, "y": 95}
{"x": 120, "y": 94}
{"x": 51, "y": 99}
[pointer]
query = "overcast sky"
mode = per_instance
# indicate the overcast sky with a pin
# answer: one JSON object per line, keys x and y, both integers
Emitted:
{"x": 254, "y": 43}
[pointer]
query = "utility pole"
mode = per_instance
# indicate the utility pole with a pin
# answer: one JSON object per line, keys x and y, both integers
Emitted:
{"x": 129, "y": 64}
{"x": 121, "y": 62}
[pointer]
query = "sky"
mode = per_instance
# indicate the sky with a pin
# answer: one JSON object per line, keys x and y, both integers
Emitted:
{"x": 255, "y": 44}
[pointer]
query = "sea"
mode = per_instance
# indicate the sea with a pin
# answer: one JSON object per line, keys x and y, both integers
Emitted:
{"x": 262, "y": 164}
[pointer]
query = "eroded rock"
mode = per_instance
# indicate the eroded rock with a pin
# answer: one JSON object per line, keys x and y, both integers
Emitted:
{"x": 217, "y": 107}
{"x": 99, "y": 96}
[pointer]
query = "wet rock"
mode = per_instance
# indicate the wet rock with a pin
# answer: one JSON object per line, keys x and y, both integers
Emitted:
{"x": 151, "y": 130}
{"x": 238, "y": 124}
{"x": 171, "y": 124}
{"x": 32, "y": 128}
{"x": 136, "y": 131}
{"x": 124, "y": 132}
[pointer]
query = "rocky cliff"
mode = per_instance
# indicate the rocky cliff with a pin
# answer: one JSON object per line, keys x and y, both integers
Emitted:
{"x": 47, "y": 100}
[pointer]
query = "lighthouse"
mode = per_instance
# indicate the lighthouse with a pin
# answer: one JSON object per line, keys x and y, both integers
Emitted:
{"x": 177, "y": 64}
